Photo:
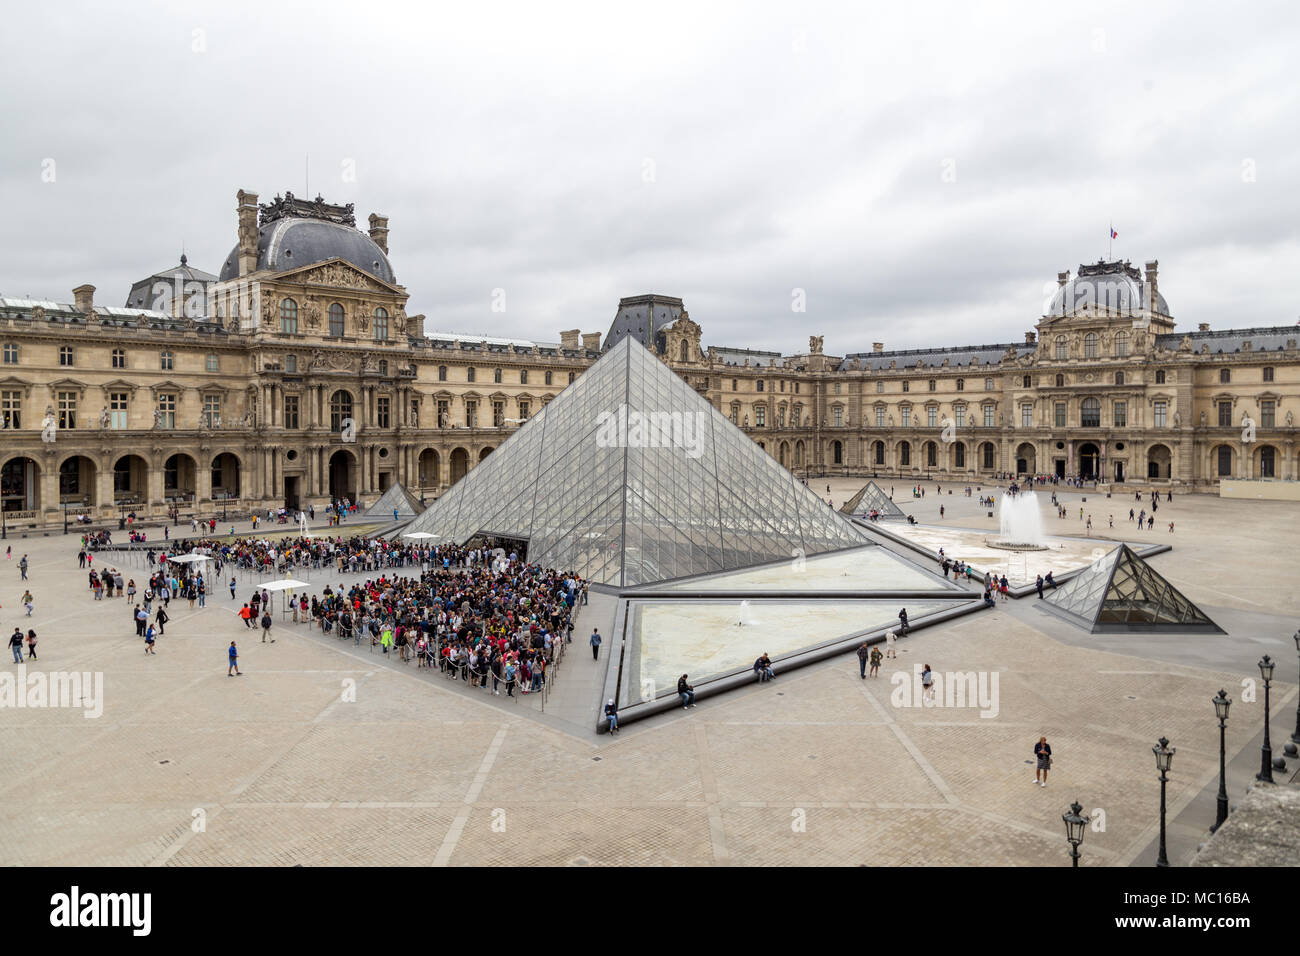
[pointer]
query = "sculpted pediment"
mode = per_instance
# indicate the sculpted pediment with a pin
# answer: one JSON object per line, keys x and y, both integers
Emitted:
{"x": 338, "y": 273}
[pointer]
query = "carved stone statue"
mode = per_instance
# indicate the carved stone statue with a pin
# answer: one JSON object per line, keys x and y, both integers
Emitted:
{"x": 268, "y": 310}
{"x": 1290, "y": 419}
{"x": 1204, "y": 419}
{"x": 312, "y": 311}
{"x": 104, "y": 418}
{"x": 815, "y": 344}
{"x": 399, "y": 322}
{"x": 317, "y": 360}
{"x": 157, "y": 418}
{"x": 1178, "y": 419}
{"x": 361, "y": 317}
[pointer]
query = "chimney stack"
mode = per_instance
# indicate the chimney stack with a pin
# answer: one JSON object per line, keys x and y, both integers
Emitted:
{"x": 379, "y": 231}
{"x": 1063, "y": 277}
{"x": 84, "y": 298}
{"x": 247, "y": 212}
{"x": 1152, "y": 289}
{"x": 569, "y": 339}
{"x": 877, "y": 346}
{"x": 591, "y": 341}
{"x": 1029, "y": 337}
{"x": 1203, "y": 327}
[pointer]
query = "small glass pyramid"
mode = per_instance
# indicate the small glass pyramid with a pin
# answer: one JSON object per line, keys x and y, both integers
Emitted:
{"x": 1121, "y": 592}
{"x": 396, "y": 497}
{"x": 872, "y": 498}
{"x": 630, "y": 477}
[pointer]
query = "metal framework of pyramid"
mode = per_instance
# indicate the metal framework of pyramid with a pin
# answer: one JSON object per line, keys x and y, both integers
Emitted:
{"x": 594, "y": 488}
{"x": 872, "y": 498}
{"x": 1121, "y": 592}
{"x": 396, "y": 497}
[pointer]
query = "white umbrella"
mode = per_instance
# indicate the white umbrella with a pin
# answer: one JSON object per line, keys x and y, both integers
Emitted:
{"x": 191, "y": 558}
{"x": 420, "y": 535}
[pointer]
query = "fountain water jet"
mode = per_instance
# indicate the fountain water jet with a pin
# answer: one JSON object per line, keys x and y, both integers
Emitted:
{"x": 1021, "y": 524}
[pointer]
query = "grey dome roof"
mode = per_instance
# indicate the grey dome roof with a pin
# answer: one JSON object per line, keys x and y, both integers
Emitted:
{"x": 1111, "y": 285}
{"x": 288, "y": 243}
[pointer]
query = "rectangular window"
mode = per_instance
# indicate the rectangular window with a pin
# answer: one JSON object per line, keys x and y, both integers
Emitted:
{"x": 524, "y": 409}
{"x": 907, "y": 416}
{"x": 444, "y": 413}
{"x": 1060, "y": 414}
{"x": 760, "y": 416}
{"x": 212, "y": 363}
{"x": 988, "y": 385}
{"x": 735, "y": 414}
{"x": 498, "y": 414}
{"x": 166, "y": 361}
{"x": 1267, "y": 414}
{"x": 959, "y": 413}
{"x": 471, "y": 414}
{"x": 117, "y": 410}
{"x": 67, "y": 410}
{"x": 1225, "y": 414}
{"x": 1161, "y": 409}
{"x": 212, "y": 410}
{"x": 880, "y": 387}
{"x": 906, "y": 386}
{"x": 65, "y": 356}
{"x": 291, "y": 411}
{"x": 11, "y": 354}
{"x": 383, "y": 411}
{"x": 119, "y": 358}
{"x": 988, "y": 416}
{"x": 839, "y": 416}
{"x": 1120, "y": 415}
{"x": 167, "y": 410}
{"x": 1268, "y": 374}
{"x": 1026, "y": 416}
{"x": 11, "y": 409}
{"x": 932, "y": 416}
{"x": 880, "y": 416}
{"x": 291, "y": 364}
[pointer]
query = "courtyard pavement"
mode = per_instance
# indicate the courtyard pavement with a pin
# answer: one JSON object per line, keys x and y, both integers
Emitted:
{"x": 326, "y": 753}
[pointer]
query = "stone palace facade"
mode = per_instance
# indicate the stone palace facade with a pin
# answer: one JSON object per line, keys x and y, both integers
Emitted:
{"x": 294, "y": 376}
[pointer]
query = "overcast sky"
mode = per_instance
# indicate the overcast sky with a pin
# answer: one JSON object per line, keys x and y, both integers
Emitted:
{"x": 920, "y": 171}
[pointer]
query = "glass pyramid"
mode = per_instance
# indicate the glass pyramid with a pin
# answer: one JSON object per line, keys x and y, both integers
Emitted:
{"x": 1121, "y": 592}
{"x": 395, "y": 497}
{"x": 630, "y": 477}
{"x": 872, "y": 498}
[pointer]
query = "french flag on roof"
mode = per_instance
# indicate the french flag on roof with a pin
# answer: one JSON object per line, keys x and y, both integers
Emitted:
{"x": 1113, "y": 233}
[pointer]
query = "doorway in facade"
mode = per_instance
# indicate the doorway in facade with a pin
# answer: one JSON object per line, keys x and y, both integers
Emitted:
{"x": 291, "y": 493}
{"x": 1119, "y": 471}
{"x": 1089, "y": 458}
{"x": 341, "y": 476}
{"x": 1060, "y": 468}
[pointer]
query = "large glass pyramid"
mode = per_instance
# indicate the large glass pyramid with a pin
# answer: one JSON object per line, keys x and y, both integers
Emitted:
{"x": 396, "y": 497}
{"x": 872, "y": 498}
{"x": 630, "y": 477}
{"x": 1121, "y": 592}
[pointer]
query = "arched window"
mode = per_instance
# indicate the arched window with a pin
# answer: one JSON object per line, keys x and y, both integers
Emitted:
{"x": 986, "y": 456}
{"x": 931, "y": 455}
{"x": 1090, "y": 345}
{"x": 523, "y": 376}
{"x": 761, "y": 383}
{"x": 682, "y": 353}
{"x": 932, "y": 385}
{"x": 905, "y": 455}
{"x": 880, "y": 452}
{"x": 336, "y": 320}
{"x": 289, "y": 316}
{"x": 837, "y": 453}
{"x": 1121, "y": 344}
{"x": 496, "y": 375}
{"x": 961, "y": 385}
{"x": 1225, "y": 461}
{"x": 959, "y": 455}
{"x": 340, "y": 408}
{"x": 548, "y": 377}
{"x": 381, "y": 324}
{"x": 1060, "y": 381}
{"x": 442, "y": 373}
{"x": 1119, "y": 378}
{"x": 1090, "y": 413}
{"x": 1062, "y": 347}
{"x": 470, "y": 373}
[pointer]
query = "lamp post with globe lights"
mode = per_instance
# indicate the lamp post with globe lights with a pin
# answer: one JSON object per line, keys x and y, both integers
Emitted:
{"x": 1164, "y": 760}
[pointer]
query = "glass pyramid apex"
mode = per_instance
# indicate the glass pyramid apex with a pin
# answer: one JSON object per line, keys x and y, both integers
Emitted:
{"x": 630, "y": 477}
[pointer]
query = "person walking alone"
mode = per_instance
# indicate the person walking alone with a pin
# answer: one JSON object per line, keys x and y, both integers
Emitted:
{"x": 16, "y": 645}
{"x": 31, "y": 644}
{"x": 595, "y": 644}
{"x": 22, "y": 566}
{"x": 161, "y": 618}
{"x": 27, "y": 602}
{"x": 266, "y": 626}
{"x": 1043, "y": 757}
{"x": 233, "y": 655}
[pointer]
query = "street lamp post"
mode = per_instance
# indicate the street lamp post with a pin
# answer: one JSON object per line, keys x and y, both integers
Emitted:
{"x": 1164, "y": 760}
{"x": 1221, "y": 704}
{"x": 1075, "y": 823}
{"x": 65, "y": 517}
{"x": 1290, "y": 749}
{"x": 1266, "y": 752}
